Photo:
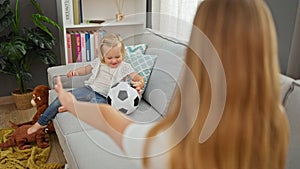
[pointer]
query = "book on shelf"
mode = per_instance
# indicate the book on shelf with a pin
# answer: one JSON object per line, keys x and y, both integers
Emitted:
{"x": 83, "y": 46}
{"x": 69, "y": 48}
{"x": 68, "y": 6}
{"x": 77, "y": 11}
{"x": 88, "y": 46}
{"x": 73, "y": 46}
{"x": 78, "y": 47}
{"x": 80, "y": 11}
{"x": 96, "y": 45}
{"x": 92, "y": 46}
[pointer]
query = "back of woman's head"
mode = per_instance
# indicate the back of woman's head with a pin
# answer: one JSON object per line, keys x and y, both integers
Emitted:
{"x": 253, "y": 130}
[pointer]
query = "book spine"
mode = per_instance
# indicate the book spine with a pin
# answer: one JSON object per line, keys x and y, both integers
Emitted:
{"x": 69, "y": 48}
{"x": 68, "y": 5}
{"x": 96, "y": 45}
{"x": 76, "y": 12}
{"x": 78, "y": 48}
{"x": 83, "y": 46}
{"x": 80, "y": 12}
{"x": 92, "y": 45}
{"x": 88, "y": 46}
{"x": 73, "y": 45}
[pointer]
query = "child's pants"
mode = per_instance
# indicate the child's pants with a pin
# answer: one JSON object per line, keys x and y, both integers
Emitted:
{"x": 86, "y": 94}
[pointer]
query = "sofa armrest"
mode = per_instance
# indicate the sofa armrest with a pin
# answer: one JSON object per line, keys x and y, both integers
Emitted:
{"x": 62, "y": 70}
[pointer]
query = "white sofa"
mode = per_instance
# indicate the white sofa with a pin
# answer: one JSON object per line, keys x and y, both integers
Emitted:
{"x": 87, "y": 148}
{"x": 83, "y": 146}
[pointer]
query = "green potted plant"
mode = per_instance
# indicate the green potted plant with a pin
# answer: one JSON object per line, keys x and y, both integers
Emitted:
{"x": 19, "y": 46}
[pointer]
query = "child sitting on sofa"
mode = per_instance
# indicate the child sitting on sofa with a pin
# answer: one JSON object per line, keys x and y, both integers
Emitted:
{"x": 106, "y": 70}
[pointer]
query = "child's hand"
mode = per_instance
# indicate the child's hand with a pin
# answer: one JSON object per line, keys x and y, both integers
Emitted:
{"x": 139, "y": 85}
{"x": 72, "y": 73}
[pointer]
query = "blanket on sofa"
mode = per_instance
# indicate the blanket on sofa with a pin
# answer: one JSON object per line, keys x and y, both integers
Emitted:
{"x": 33, "y": 158}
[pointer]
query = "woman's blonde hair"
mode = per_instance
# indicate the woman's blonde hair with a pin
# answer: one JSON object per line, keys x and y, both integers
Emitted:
{"x": 253, "y": 132}
{"x": 108, "y": 42}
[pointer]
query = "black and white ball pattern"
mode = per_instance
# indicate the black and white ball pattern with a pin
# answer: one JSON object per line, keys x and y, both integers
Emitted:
{"x": 123, "y": 97}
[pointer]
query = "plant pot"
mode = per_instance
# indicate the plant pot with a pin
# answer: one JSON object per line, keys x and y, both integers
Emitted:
{"x": 22, "y": 101}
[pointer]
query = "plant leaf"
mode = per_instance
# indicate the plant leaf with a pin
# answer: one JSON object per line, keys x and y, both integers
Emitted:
{"x": 13, "y": 50}
{"x": 37, "y": 6}
{"x": 39, "y": 38}
{"x": 39, "y": 21}
{"x": 47, "y": 56}
{"x": 6, "y": 15}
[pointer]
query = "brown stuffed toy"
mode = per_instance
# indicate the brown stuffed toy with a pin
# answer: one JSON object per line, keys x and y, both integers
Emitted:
{"x": 23, "y": 140}
{"x": 40, "y": 101}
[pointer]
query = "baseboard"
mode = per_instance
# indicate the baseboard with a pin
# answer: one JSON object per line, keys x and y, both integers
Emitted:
{"x": 6, "y": 100}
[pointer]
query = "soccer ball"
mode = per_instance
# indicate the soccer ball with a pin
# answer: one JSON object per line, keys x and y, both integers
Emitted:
{"x": 123, "y": 97}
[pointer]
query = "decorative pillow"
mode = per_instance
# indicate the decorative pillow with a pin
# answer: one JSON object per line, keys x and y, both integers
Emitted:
{"x": 142, "y": 64}
{"x": 135, "y": 49}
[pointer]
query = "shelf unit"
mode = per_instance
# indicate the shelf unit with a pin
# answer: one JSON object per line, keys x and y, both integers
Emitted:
{"x": 133, "y": 22}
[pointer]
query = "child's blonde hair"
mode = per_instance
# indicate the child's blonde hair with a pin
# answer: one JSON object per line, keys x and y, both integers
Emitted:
{"x": 108, "y": 42}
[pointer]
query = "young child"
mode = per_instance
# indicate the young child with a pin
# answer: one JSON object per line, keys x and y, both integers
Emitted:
{"x": 106, "y": 70}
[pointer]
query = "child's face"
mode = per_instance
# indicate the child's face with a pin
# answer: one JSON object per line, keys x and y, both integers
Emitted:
{"x": 113, "y": 58}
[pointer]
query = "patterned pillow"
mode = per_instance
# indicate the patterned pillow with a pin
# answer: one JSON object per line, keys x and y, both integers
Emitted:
{"x": 142, "y": 64}
{"x": 135, "y": 49}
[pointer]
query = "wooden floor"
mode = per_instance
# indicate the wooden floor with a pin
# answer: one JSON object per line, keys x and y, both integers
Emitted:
{"x": 9, "y": 112}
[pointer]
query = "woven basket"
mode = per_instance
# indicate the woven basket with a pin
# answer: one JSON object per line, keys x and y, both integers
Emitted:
{"x": 22, "y": 101}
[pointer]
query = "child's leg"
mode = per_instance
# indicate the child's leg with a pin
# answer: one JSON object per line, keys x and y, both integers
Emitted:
{"x": 99, "y": 99}
{"x": 83, "y": 94}
{"x": 86, "y": 94}
{"x": 49, "y": 113}
{"x": 46, "y": 117}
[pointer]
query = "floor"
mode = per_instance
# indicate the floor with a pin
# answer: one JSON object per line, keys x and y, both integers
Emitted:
{"x": 9, "y": 112}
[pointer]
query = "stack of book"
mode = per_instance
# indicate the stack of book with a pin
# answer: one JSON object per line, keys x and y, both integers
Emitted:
{"x": 83, "y": 46}
{"x": 72, "y": 11}
{"x": 74, "y": 14}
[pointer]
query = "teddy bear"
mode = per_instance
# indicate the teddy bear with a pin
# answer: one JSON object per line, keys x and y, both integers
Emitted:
{"x": 23, "y": 140}
{"x": 40, "y": 101}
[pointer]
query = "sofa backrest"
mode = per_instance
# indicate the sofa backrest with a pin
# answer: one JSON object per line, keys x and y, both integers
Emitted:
{"x": 166, "y": 71}
{"x": 62, "y": 70}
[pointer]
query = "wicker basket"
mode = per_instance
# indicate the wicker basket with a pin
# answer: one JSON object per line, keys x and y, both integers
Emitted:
{"x": 22, "y": 101}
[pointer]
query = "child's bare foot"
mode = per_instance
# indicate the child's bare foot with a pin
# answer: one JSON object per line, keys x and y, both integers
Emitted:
{"x": 35, "y": 128}
{"x": 61, "y": 109}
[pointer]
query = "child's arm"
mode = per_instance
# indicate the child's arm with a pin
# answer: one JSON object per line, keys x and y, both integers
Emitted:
{"x": 137, "y": 81}
{"x": 81, "y": 71}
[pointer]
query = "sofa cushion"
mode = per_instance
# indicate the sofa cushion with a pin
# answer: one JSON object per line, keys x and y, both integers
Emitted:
{"x": 142, "y": 64}
{"x": 135, "y": 49}
{"x": 292, "y": 106}
{"x": 93, "y": 149}
{"x": 166, "y": 71}
{"x": 144, "y": 114}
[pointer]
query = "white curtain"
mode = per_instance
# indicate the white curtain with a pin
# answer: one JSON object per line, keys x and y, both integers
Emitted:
{"x": 175, "y": 17}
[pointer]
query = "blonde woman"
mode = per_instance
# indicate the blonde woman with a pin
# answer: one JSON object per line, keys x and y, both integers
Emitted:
{"x": 251, "y": 132}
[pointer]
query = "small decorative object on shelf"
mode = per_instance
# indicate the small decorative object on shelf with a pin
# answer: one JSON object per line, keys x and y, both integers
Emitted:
{"x": 119, "y": 5}
{"x": 95, "y": 21}
{"x": 119, "y": 17}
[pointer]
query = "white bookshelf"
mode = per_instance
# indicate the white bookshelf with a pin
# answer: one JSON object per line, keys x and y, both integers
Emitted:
{"x": 134, "y": 20}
